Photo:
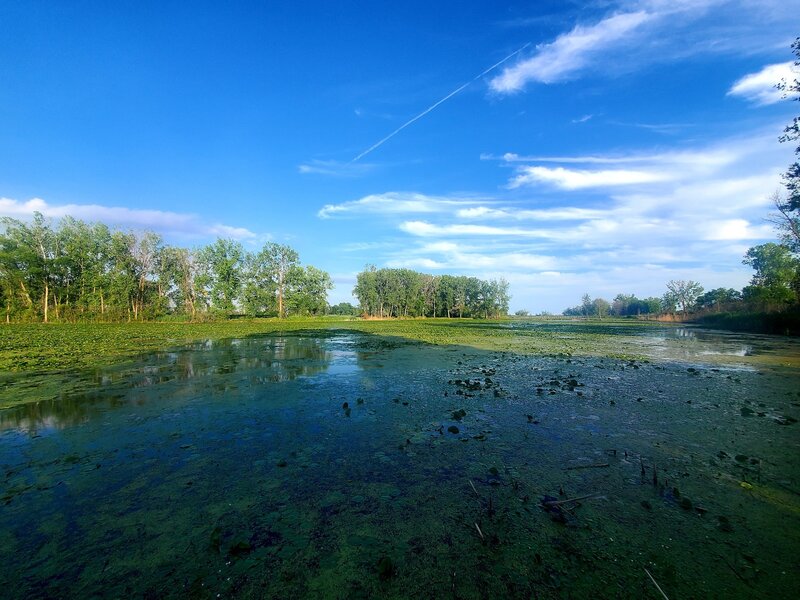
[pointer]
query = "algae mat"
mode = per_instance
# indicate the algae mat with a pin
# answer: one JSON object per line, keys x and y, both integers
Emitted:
{"x": 346, "y": 465}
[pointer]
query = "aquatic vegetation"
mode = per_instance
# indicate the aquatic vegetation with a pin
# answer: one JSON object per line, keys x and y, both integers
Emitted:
{"x": 332, "y": 462}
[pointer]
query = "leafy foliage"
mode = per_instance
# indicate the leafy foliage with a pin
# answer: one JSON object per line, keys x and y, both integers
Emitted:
{"x": 82, "y": 271}
{"x": 789, "y": 208}
{"x": 407, "y": 293}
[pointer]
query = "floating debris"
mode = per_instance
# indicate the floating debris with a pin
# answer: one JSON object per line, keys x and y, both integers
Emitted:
{"x": 655, "y": 583}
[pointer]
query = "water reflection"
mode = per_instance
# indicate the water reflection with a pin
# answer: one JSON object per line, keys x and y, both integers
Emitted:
{"x": 672, "y": 342}
{"x": 217, "y": 365}
{"x": 702, "y": 342}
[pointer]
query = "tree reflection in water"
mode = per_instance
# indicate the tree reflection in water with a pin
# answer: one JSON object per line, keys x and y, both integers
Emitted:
{"x": 254, "y": 361}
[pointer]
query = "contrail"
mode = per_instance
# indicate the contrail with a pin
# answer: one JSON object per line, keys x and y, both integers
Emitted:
{"x": 430, "y": 108}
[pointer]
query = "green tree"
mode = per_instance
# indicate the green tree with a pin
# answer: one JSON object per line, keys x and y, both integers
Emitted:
{"x": 682, "y": 294}
{"x": 366, "y": 290}
{"x": 31, "y": 252}
{"x": 221, "y": 273}
{"x": 307, "y": 290}
{"x": 280, "y": 259}
{"x": 719, "y": 298}
{"x": 587, "y": 308}
{"x": 777, "y": 275}
{"x": 259, "y": 291}
{"x": 345, "y": 309}
{"x": 600, "y": 307}
{"x": 792, "y": 133}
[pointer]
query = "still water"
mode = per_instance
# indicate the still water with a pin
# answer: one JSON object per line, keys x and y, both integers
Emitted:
{"x": 349, "y": 465}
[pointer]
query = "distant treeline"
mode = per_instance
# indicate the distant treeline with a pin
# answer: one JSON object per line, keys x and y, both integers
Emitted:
{"x": 407, "y": 293}
{"x": 76, "y": 270}
{"x": 623, "y": 305}
{"x": 774, "y": 289}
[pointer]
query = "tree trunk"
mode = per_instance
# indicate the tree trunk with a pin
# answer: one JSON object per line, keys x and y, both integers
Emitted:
{"x": 27, "y": 295}
{"x": 46, "y": 300}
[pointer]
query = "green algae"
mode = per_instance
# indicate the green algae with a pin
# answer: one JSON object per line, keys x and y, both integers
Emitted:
{"x": 231, "y": 468}
{"x": 64, "y": 347}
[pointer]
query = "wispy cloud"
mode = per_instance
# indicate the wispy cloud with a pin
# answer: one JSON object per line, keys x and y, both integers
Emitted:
{"x": 335, "y": 168}
{"x": 427, "y": 229}
{"x": 167, "y": 222}
{"x": 642, "y": 32}
{"x": 566, "y": 213}
{"x": 760, "y": 87}
{"x": 450, "y": 256}
{"x": 393, "y": 203}
{"x": 654, "y": 215}
{"x": 716, "y": 156}
{"x": 569, "y": 53}
{"x": 571, "y": 179}
{"x": 632, "y": 169}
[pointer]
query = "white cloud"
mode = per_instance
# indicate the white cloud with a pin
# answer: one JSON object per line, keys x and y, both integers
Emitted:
{"x": 737, "y": 229}
{"x": 714, "y": 156}
{"x": 643, "y": 32}
{"x": 684, "y": 213}
{"x": 569, "y": 53}
{"x": 567, "y": 213}
{"x": 456, "y": 256}
{"x": 237, "y": 233}
{"x": 646, "y": 168}
{"x": 157, "y": 220}
{"x": 570, "y": 179}
{"x": 480, "y": 212}
{"x": 760, "y": 87}
{"x": 335, "y": 168}
{"x": 426, "y": 229}
{"x": 390, "y": 203}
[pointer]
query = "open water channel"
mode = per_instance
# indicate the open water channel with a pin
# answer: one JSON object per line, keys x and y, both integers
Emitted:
{"x": 346, "y": 465}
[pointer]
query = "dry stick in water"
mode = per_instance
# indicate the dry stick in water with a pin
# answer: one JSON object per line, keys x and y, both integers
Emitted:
{"x": 655, "y": 583}
{"x": 473, "y": 488}
{"x": 480, "y": 533}
{"x": 560, "y": 502}
{"x": 597, "y": 466}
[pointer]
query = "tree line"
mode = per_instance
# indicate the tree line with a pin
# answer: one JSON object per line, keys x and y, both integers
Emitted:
{"x": 407, "y": 293}
{"x": 76, "y": 270}
{"x": 774, "y": 287}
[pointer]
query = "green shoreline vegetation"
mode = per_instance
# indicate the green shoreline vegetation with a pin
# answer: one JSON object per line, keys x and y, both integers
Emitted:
{"x": 54, "y": 347}
{"x": 61, "y": 346}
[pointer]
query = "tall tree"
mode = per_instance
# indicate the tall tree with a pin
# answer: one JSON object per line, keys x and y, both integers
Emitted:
{"x": 280, "y": 259}
{"x": 789, "y": 208}
{"x": 683, "y": 293}
{"x": 307, "y": 290}
{"x": 221, "y": 273}
{"x": 776, "y": 281}
{"x": 259, "y": 286}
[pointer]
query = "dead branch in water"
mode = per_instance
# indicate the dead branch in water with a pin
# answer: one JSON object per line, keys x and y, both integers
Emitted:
{"x": 596, "y": 466}
{"x": 560, "y": 502}
{"x": 655, "y": 583}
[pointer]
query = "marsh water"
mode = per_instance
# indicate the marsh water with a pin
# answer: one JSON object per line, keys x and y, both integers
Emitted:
{"x": 347, "y": 465}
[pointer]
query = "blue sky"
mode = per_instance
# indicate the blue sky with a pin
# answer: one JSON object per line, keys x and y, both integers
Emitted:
{"x": 623, "y": 145}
